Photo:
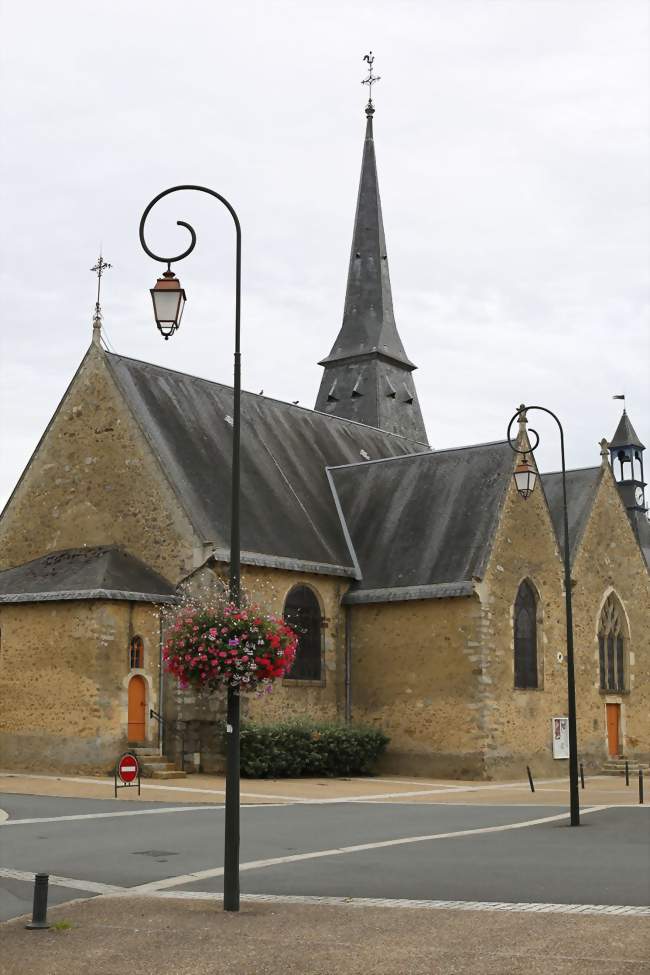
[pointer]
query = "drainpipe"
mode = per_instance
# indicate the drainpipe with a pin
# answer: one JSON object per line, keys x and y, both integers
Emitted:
{"x": 348, "y": 664}
{"x": 160, "y": 680}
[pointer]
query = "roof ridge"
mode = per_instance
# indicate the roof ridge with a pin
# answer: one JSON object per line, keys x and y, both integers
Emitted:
{"x": 272, "y": 399}
{"x": 572, "y": 470}
{"x": 421, "y": 453}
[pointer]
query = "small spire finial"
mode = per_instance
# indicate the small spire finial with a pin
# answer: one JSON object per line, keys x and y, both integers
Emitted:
{"x": 620, "y": 396}
{"x": 98, "y": 269}
{"x": 370, "y": 81}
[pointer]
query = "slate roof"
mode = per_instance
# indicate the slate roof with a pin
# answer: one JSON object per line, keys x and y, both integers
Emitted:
{"x": 287, "y": 514}
{"x": 100, "y": 572}
{"x": 581, "y": 488}
{"x": 625, "y": 435}
{"x": 422, "y": 526}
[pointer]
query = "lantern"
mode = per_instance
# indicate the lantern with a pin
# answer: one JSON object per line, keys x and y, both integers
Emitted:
{"x": 525, "y": 476}
{"x": 168, "y": 302}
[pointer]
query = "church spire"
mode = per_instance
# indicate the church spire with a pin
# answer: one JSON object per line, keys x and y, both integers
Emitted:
{"x": 367, "y": 374}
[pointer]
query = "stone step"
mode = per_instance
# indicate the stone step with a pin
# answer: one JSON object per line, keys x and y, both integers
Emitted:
{"x": 168, "y": 774}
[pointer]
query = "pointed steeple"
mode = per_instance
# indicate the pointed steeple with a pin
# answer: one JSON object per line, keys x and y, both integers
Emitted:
{"x": 625, "y": 435}
{"x": 367, "y": 374}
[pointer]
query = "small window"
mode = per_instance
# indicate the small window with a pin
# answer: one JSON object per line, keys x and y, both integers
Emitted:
{"x": 611, "y": 647}
{"x": 302, "y": 612}
{"x": 136, "y": 654}
{"x": 525, "y": 623}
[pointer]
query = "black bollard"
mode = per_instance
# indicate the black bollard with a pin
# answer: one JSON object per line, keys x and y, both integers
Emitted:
{"x": 582, "y": 775}
{"x": 530, "y": 779}
{"x": 641, "y": 786}
{"x": 39, "y": 910}
{"x": 627, "y": 773}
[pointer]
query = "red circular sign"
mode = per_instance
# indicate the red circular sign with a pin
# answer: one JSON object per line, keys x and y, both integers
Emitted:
{"x": 127, "y": 768}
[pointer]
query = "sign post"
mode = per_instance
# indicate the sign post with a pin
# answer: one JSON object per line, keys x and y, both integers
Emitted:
{"x": 127, "y": 770}
{"x": 560, "y": 737}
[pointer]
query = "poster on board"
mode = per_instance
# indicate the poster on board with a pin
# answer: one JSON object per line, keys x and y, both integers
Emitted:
{"x": 560, "y": 737}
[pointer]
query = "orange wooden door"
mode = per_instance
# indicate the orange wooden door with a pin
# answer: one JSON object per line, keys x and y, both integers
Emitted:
{"x": 613, "y": 723}
{"x": 137, "y": 706}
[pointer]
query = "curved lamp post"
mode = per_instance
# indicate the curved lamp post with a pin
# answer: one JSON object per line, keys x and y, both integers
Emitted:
{"x": 169, "y": 301}
{"x": 525, "y": 477}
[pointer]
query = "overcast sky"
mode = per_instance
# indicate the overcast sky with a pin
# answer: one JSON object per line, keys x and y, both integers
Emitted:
{"x": 512, "y": 146}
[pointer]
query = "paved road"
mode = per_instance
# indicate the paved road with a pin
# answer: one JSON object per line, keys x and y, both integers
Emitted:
{"x": 605, "y": 861}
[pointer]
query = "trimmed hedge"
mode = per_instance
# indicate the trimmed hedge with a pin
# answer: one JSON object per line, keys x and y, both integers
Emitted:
{"x": 289, "y": 749}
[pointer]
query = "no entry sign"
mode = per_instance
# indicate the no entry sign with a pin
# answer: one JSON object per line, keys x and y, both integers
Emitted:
{"x": 127, "y": 770}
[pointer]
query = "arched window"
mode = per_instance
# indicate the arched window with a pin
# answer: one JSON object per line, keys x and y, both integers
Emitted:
{"x": 136, "y": 653}
{"x": 302, "y": 613}
{"x": 611, "y": 646}
{"x": 525, "y": 622}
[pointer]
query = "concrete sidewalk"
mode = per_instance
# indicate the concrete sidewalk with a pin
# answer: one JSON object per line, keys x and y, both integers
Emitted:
{"x": 190, "y": 937}
{"x": 600, "y": 790}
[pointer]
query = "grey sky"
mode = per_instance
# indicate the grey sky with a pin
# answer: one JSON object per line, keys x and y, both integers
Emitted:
{"x": 512, "y": 145}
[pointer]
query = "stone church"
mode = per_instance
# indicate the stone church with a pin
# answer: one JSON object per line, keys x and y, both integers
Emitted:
{"x": 428, "y": 592}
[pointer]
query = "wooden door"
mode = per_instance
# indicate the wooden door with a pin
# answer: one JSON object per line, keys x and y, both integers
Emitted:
{"x": 137, "y": 708}
{"x": 613, "y": 724}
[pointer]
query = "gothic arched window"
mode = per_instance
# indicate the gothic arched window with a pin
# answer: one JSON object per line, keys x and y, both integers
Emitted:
{"x": 525, "y": 624}
{"x": 611, "y": 646}
{"x": 136, "y": 653}
{"x": 302, "y": 613}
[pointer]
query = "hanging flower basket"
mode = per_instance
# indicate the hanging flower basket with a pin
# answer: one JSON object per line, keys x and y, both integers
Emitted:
{"x": 213, "y": 647}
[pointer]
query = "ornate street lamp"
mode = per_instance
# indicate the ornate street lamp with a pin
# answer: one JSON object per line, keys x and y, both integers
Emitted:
{"x": 169, "y": 300}
{"x": 168, "y": 303}
{"x": 525, "y": 477}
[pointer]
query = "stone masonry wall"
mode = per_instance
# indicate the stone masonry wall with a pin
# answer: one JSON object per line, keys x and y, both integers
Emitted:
{"x": 609, "y": 560}
{"x": 94, "y": 481}
{"x": 64, "y": 672}
{"x": 517, "y": 722}
{"x": 196, "y": 722}
{"x": 415, "y": 673}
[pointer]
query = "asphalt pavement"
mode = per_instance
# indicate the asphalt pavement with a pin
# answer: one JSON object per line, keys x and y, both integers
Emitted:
{"x": 605, "y": 861}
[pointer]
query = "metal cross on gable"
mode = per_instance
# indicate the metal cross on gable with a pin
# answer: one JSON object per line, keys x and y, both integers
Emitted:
{"x": 372, "y": 78}
{"x": 99, "y": 269}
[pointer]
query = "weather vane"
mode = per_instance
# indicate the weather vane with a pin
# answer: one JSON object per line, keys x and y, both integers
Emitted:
{"x": 372, "y": 78}
{"x": 99, "y": 269}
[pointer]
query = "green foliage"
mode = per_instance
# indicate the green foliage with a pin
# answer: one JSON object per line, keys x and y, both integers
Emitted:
{"x": 289, "y": 749}
{"x": 61, "y": 926}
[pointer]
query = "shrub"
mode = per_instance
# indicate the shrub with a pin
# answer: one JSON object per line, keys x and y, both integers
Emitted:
{"x": 290, "y": 749}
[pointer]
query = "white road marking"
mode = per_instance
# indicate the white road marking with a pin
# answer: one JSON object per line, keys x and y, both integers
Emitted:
{"x": 619, "y": 910}
{"x": 135, "y": 812}
{"x": 56, "y": 881}
{"x": 190, "y": 878}
{"x": 3, "y": 815}
{"x": 110, "y": 890}
{"x": 437, "y": 790}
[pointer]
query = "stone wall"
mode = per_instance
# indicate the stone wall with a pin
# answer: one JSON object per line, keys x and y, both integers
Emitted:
{"x": 517, "y": 722}
{"x": 64, "y": 673}
{"x": 195, "y": 722}
{"x": 415, "y": 674}
{"x": 609, "y": 560}
{"x": 94, "y": 481}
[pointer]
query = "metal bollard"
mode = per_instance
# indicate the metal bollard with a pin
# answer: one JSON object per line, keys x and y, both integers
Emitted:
{"x": 39, "y": 910}
{"x": 530, "y": 780}
{"x": 582, "y": 775}
{"x": 627, "y": 773}
{"x": 641, "y": 786}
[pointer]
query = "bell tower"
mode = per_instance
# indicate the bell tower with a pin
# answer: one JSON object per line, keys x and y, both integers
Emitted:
{"x": 626, "y": 453}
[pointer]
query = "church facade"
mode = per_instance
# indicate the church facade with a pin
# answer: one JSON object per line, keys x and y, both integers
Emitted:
{"x": 428, "y": 593}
